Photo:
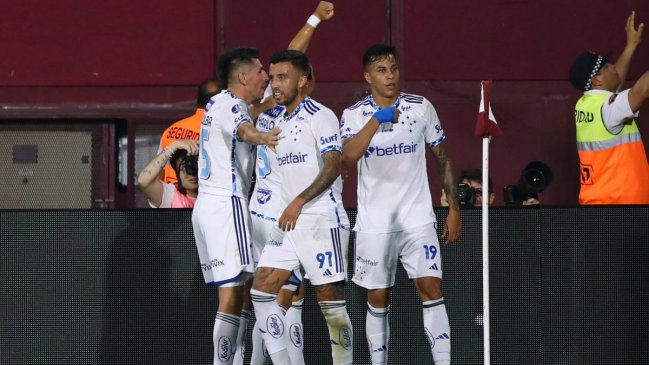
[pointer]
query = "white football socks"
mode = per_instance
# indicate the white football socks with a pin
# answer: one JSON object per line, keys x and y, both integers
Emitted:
{"x": 340, "y": 331}
{"x": 241, "y": 337}
{"x": 438, "y": 330}
{"x": 295, "y": 330}
{"x": 377, "y": 330}
{"x": 271, "y": 325}
{"x": 226, "y": 327}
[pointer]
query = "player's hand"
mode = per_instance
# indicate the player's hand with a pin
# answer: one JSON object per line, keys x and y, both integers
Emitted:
{"x": 633, "y": 34}
{"x": 443, "y": 201}
{"x": 185, "y": 144}
{"x": 452, "y": 227}
{"x": 271, "y": 138}
{"x": 324, "y": 11}
{"x": 387, "y": 115}
{"x": 288, "y": 219}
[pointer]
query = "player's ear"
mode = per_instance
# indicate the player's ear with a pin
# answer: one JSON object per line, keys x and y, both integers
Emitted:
{"x": 241, "y": 78}
{"x": 367, "y": 77}
{"x": 302, "y": 81}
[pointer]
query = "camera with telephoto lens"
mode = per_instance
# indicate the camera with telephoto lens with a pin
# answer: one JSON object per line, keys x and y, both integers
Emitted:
{"x": 466, "y": 194}
{"x": 191, "y": 165}
{"x": 535, "y": 178}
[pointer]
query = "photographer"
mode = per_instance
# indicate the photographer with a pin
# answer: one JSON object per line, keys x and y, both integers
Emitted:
{"x": 469, "y": 190}
{"x": 535, "y": 177}
{"x": 182, "y": 157}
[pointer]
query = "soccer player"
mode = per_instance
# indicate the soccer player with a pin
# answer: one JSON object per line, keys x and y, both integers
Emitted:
{"x": 313, "y": 229}
{"x": 386, "y": 134}
{"x": 265, "y": 210}
{"x": 220, "y": 218}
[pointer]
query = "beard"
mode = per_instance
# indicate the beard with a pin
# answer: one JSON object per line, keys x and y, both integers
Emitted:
{"x": 287, "y": 98}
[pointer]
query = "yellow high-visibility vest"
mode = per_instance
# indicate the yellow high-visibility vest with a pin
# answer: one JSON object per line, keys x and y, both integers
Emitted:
{"x": 613, "y": 167}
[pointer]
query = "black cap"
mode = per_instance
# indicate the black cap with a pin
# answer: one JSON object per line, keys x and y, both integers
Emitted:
{"x": 587, "y": 65}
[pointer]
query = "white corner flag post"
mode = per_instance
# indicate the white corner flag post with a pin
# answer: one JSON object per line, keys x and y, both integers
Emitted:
{"x": 486, "y": 127}
{"x": 485, "y": 249}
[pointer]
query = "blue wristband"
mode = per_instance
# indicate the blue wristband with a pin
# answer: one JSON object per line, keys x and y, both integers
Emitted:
{"x": 385, "y": 115}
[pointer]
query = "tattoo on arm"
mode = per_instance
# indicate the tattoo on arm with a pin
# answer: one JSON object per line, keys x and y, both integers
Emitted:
{"x": 446, "y": 170}
{"x": 157, "y": 164}
{"x": 328, "y": 174}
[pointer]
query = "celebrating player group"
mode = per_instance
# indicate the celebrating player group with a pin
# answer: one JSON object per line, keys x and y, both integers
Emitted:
{"x": 295, "y": 227}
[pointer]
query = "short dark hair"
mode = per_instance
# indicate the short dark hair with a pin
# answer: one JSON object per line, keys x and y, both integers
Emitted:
{"x": 298, "y": 59}
{"x": 206, "y": 90}
{"x": 475, "y": 175}
{"x": 230, "y": 61}
{"x": 378, "y": 52}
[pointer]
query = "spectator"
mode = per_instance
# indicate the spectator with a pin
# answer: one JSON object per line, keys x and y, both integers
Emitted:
{"x": 613, "y": 162}
{"x": 179, "y": 154}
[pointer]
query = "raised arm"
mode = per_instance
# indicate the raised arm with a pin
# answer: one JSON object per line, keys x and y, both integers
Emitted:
{"x": 148, "y": 180}
{"x": 453, "y": 226}
{"x": 355, "y": 147}
{"x": 300, "y": 42}
{"x": 327, "y": 175}
{"x": 633, "y": 38}
{"x": 639, "y": 92}
{"x": 324, "y": 11}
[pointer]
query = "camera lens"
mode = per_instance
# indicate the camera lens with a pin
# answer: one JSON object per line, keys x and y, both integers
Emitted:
{"x": 535, "y": 179}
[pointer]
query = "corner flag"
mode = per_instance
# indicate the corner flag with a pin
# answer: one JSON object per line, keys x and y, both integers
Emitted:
{"x": 486, "y": 125}
{"x": 486, "y": 128}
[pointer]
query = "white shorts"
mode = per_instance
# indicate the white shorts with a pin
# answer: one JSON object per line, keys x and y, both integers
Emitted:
{"x": 377, "y": 255}
{"x": 322, "y": 252}
{"x": 264, "y": 229}
{"x": 222, "y": 232}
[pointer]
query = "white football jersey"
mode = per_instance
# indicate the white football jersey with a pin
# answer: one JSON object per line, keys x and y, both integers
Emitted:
{"x": 310, "y": 131}
{"x": 265, "y": 200}
{"x": 393, "y": 192}
{"x": 225, "y": 162}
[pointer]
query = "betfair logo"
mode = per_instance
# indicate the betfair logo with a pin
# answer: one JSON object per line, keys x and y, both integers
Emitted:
{"x": 396, "y": 149}
{"x": 291, "y": 158}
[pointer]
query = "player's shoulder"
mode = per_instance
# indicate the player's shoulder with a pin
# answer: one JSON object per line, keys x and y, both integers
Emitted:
{"x": 417, "y": 103}
{"x": 316, "y": 109}
{"x": 413, "y": 99}
{"x": 227, "y": 104}
{"x": 224, "y": 100}
{"x": 312, "y": 107}
{"x": 359, "y": 105}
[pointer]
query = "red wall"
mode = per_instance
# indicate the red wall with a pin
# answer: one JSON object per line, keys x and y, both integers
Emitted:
{"x": 134, "y": 60}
